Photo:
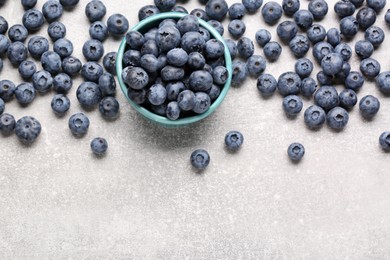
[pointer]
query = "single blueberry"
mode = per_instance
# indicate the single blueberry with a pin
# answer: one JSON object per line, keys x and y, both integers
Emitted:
{"x": 370, "y": 67}
{"x": 28, "y": 4}
{"x": 377, "y": 5}
{"x": 384, "y": 140}
{"x": 200, "y": 159}
{"x": 204, "y": 33}
{"x": 25, "y": 93}
{"x": 17, "y": 33}
{"x": 27, "y": 69}
{"x": 332, "y": 64}
{"x": 62, "y": 83}
{"x": 366, "y": 17}
{"x": 177, "y": 57}
{"x": 191, "y": 42}
{"x": 200, "y": 80}
{"x": 107, "y": 84}
{"x": 375, "y": 35}
{"x": 295, "y": 152}
{"x": 314, "y": 117}
{"x": 292, "y": 105}
{"x": 344, "y": 8}
{"x": 337, "y": 118}
{"x": 168, "y": 37}
{"x": 369, "y": 106}
{"x": 71, "y": 65}
{"x": 319, "y": 8}
{"x": 234, "y": 140}
{"x": 303, "y": 67}
{"x": 7, "y": 89}
{"x": 170, "y": 73}
{"x": 16, "y": 53}
{"x": 236, "y": 28}
{"x": 239, "y": 72}
{"x": 290, "y": 6}
{"x": 214, "y": 48}
{"x": 299, "y": 45}
{"x": 7, "y": 124}
{"x": 289, "y": 83}
{"x": 188, "y": 23}
{"x": 147, "y": 11}
{"x": 383, "y": 82}
{"x": 137, "y": 96}
{"x": 51, "y": 62}
{"x": 196, "y": 60}
{"x": 3, "y": 25}
{"x": 88, "y": 94}
{"x": 69, "y": 3}
{"x": 63, "y": 47}
{"x": 91, "y": 71}
{"x": 56, "y": 30}
{"x": 42, "y": 81}
{"x": 255, "y": 65}
{"x": 326, "y": 97}
{"x": 179, "y": 9}
{"x": 117, "y": 25}
{"x": 99, "y": 146}
{"x": 364, "y": 49}
{"x": 160, "y": 110}
{"x": 202, "y": 102}
{"x": 266, "y": 84}
{"x": 135, "y": 40}
{"x": 37, "y": 45}
{"x": 272, "y": 51}
{"x": 262, "y": 37}
{"x": 135, "y": 78}
{"x": 348, "y": 98}
{"x": 349, "y": 26}
{"x": 78, "y": 124}
{"x": 236, "y": 11}
{"x": 109, "y": 107}
{"x": 186, "y": 100}
{"x": 95, "y": 10}
{"x": 303, "y": 18}
{"x": 33, "y": 20}
{"x": 109, "y": 62}
{"x": 333, "y": 36}
{"x": 93, "y": 50}
{"x": 173, "y": 89}
{"x": 216, "y": 9}
{"x": 324, "y": 79}
{"x": 157, "y": 94}
{"x": 214, "y": 92}
{"x": 27, "y": 129}
{"x": 357, "y": 3}
{"x": 52, "y": 10}
{"x": 149, "y": 62}
{"x": 252, "y": 6}
{"x": 308, "y": 87}
{"x": 344, "y": 50}
{"x": 287, "y": 30}
{"x": 60, "y": 104}
{"x": 173, "y": 110}
{"x": 98, "y": 31}
{"x": 321, "y": 49}
{"x": 271, "y": 12}
{"x": 200, "y": 13}
{"x": 316, "y": 33}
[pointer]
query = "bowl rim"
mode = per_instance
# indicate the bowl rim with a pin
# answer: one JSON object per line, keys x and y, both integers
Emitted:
{"x": 161, "y": 119}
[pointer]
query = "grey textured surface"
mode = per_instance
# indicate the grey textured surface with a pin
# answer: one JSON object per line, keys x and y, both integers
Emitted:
{"x": 144, "y": 201}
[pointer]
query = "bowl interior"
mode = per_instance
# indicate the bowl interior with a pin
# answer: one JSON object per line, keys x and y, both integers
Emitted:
{"x": 153, "y": 21}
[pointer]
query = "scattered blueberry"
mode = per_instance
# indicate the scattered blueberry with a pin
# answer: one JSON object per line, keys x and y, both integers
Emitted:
{"x": 98, "y": 31}
{"x": 237, "y": 11}
{"x": 7, "y": 90}
{"x": 344, "y": 8}
{"x": 252, "y": 5}
{"x": 71, "y": 65}
{"x": 93, "y": 50}
{"x": 25, "y": 93}
{"x": 239, "y": 72}
{"x": 344, "y": 50}
{"x": 78, "y": 124}
{"x": 290, "y": 6}
{"x": 17, "y": 33}
{"x": 109, "y": 107}
{"x": 271, "y": 12}
{"x": 109, "y": 62}
{"x": 272, "y": 51}
{"x": 26, "y": 69}
{"x": 366, "y": 17}
{"x": 60, "y": 104}
{"x": 383, "y": 82}
{"x": 234, "y": 140}
{"x": 16, "y": 53}
{"x": 42, "y": 81}
{"x": 216, "y": 9}
{"x": 99, "y": 146}
{"x": 308, "y": 87}
{"x": 27, "y": 129}
{"x": 349, "y": 26}
{"x": 32, "y": 20}
{"x": 52, "y": 10}
{"x": 147, "y": 11}
{"x": 7, "y": 124}
{"x": 28, "y": 4}
{"x": 255, "y": 65}
{"x": 314, "y": 117}
{"x": 369, "y": 106}
{"x": 236, "y": 28}
{"x": 287, "y": 30}
{"x": 63, "y": 47}
{"x": 384, "y": 140}
{"x": 348, "y": 98}
{"x": 370, "y": 67}
{"x": 91, "y": 71}
{"x": 377, "y": 5}
{"x": 319, "y": 8}
{"x": 107, "y": 84}
{"x": 303, "y": 18}
{"x": 62, "y": 83}
{"x": 326, "y": 97}
{"x": 51, "y": 62}
{"x": 295, "y": 152}
{"x": 262, "y": 37}
{"x": 299, "y": 45}
{"x": 292, "y": 105}
{"x": 316, "y": 33}
{"x": 88, "y": 94}
{"x": 303, "y": 67}
{"x": 375, "y": 35}
{"x": 117, "y": 24}
{"x": 266, "y": 84}
{"x": 337, "y": 118}
{"x": 289, "y": 83}
{"x": 95, "y": 10}
{"x": 332, "y": 63}
{"x": 56, "y": 30}
{"x": 3, "y": 25}
{"x": 333, "y": 37}
{"x": 364, "y": 49}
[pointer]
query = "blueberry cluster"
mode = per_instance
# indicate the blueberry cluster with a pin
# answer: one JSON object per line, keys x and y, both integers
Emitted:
{"x": 176, "y": 69}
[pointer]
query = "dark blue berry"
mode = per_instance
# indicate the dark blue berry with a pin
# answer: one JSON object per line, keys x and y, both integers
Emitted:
{"x": 387, "y": 18}
{"x": 78, "y": 124}
{"x": 366, "y": 17}
{"x": 196, "y": 61}
{"x": 27, "y": 69}
{"x": 349, "y": 26}
{"x": 168, "y": 37}
{"x": 369, "y": 106}
{"x": 60, "y": 104}
{"x": 204, "y": 33}
{"x": 364, "y": 49}
{"x": 314, "y": 117}
{"x": 98, "y": 31}
{"x": 234, "y": 140}
{"x": 237, "y": 11}
{"x": 135, "y": 40}
{"x": 95, "y": 10}
{"x": 200, "y": 159}
{"x": 25, "y": 93}
{"x": 289, "y": 83}
{"x": 63, "y": 47}
{"x": 375, "y": 35}
{"x": 271, "y": 12}
{"x": 326, "y": 97}
{"x": 109, "y": 62}
{"x": 109, "y": 107}
{"x": 332, "y": 64}
{"x": 69, "y": 3}
{"x": 165, "y": 5}
{"x": 272, "y": 51}
{"x": 91, "y": 71}
{"x": 27, "y": 129}
{"x": 319, "y": 8}
{"x": 4, "y": 44}
{"x": 186, "y": 100}
{"x": 51, "y": 62}
{"x": 383, "y": 82}
{"x": 357, "y": 3}
{"x": 62, "y": 83}
{"x": 88, "y": 94}
{"x": 384, "y": 140}
{"x": 16, "y": 53}
{"x": 173, "y": 110}
{"x": 370, "y": 67}
{"x": 93, "y": 50}
{"x": 7, "y": 89}
{"x": 377, "y": 5}
{"x": 217, "y": 26}
{"x": 202, "y": 102}
{"x": 252, "y": 6}
{"x": 33, "y": 20}
{"x": 324, "y": 79}
{"x": 149, "y": 62}
{"x": 239, "y": 72}
{"x": 99, "y": 146}
{"x": 17, "y": 33}
{"x": 304, "y": 19}
{"x": 348, "y": 98}
{"x": 292, "y": 105}
{"x": 303, "y": 67}
{"x": 344, "y": 8}
{"x": 133, "y": 58}
{"x": 107, "y": 84}
{"x": 137, "y": 96}
{"x": 214, "y": 92}
{"x": 262, "y": 37}
{"x": 316, "y": 33}
{"x": 236, "y": 28}
{"x": 295, "y": 152}
{"x": 117, "y": 24}
{"x": 333, "y": 37}
{"x": 337, "y": 118}
{"x": 52, "y": 10}
{"x": 188, "y": 23}
{"x": 191, "y": 42}
{"x": 299, "y": 45}
{"x": 37, "y": 45}
{"x": 287, "y": 30}
{"x": 177, "y": 57}
{"x": 216, "y": 9}
{"x": 3, "y": 25}
{"x": 170, "y": 73}
{"x": 135, "y": 78}
{"x": 147, "y": 11}
{"x": 173, "y": 89}
{"x": 56, "y": 30}
{"x": 71, "y": 65}
{"x": 344, "y": 50}
{"x": 308, "y": 87}
{"x": 321, "y": 49}
{"x": 200, "y": 80}
{"x": 266, "y": 84}
{"x": 157, "y": 94}
{"x": 160, "y": 110}
{"x": 7, "y": 124}
{"x": 290, "y": 6}
{"x": 28, "y": 4}
{"x": 255, "y": 65}
{"x": 42, "y": 81}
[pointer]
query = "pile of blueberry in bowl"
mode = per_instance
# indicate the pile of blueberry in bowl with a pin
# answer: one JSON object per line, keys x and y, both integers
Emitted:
{"x": 174, "y": 68}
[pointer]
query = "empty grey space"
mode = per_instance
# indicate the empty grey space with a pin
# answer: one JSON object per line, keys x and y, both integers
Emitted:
{"x": 143, "y": 200}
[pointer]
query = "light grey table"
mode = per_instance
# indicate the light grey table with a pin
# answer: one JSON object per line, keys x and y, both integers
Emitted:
{"x": 144, "y": 201}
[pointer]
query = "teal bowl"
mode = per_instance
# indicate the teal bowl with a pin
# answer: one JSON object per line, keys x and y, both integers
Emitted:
{"x": 143, "y": 27}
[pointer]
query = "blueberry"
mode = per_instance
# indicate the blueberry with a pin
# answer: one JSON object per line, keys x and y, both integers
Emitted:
{"x": 107, "y": 84}
{"x": 149, "y": 62}
{"x": 7, "y": 89}
{"x": 348, "y": 98}
{"x": 179, "y": 9}
{"x": 3, "y": 25}
{"x": 28, "y": 4}
{"x": 295, "y": 152}
{"x": 78, "y": 124}
{"x": 272, "y": 51}
{"x": 7, "y": 124}
{"x": 202, "y": 102}
{"x": 173, "y": 90}
{"x": 333, "y": 37}
{"x": 216, "y": 9}
{"x": 42, "y": 81}
{"x": 95, "y": 10}
{"x": 99, "y": 146}
{"x": 290, "y": 6}
{"x": 98, "y": 31}
{"x": 366, "y": 17}
{"x": 186, "y": 100}
{"x": 16, "y": 53}
{"x": 308, "y": 87}
{"x": 314, "y": 117}
{"x": 37, "y": 45}
{"x": 262, "y": 37}
{"x": 303, "y": 18}
{"x": 170, "y": 73}
{"x": 137, "y": 96}
{"x": 69, "y": 3}
{"x": 375, "y": 35}
{"x": 303, "y": 67}
{"x": 188, "y": 23}
{"x": 88, "y": 94}
{"x": 17, "y": 33}
{"x": 177, "y": 57}
{"x": 383, "y": 82}
{"x": 160, "y": 110}
{"x": 369, "y": 106}
{"x": 344, "y": 8}
{"x": 349, "y": 26}
{"x": 332, "y": 64}
{"x": 337, "y": 118}
{"x": 147, "y": 11}
{"x": 316, "y": 33}
{"x": 27, "y": 129}
{"x": 200, "y": 13}
{"x": 56, "y": 30}
{"x": 168, "y": 37}
{"x": 93, "y": 50}
{"x": 52, "y": 10}
{"x": 387, "y": 18}
{"x": 326, "y": 97}
{"x": 200, "y": 80}
{"x": 237, "y": 11}
{"x": 292, "y": 105}
{"x": 384, "y": 140}
{"x": 287, "y": 30}
{"x": 239, "y": 72}
{"x": 157, "y": 94}
{"x": 63, "y": 47}
{"x": 91, "y": 71}
{"x": 204, "y": 33}
{"x": 25, "y": 93}
{"x": 27, "y": 69}
{"x": 377, "y": 5}
{"x": 173, "y": 110}
{"x": 4, "y": 44}
{"x": 357, "y": 3}
{"x": 60, "y": 104}
{"x": 117, "y": 24}
{"x": 62, "y": 83}
{"x": 344, "y": 50}
{"x": 51, "y": 62}
{"x": 71, "y": 65}
{"x": 324, "y": 79}
{"x": 370, "y": 67}
{"x": 289, "y": 83}
{"x": 200, "y": 159}
{"x": 234, "y": 140}
{"x": 364, "y": 49}
{"x": 217, "y": 26}
{"x": 135, "y": 40}
{"x": 196, "y": 60}
{"x": 133, "y": 58}
{"x": 252, "y": 6}
{"x": 255, "y": 65}
{"x": 109, "y": 62}
{"x": 319, "y": 8}
{"x": 191, "y": 42}
{"x": 271, "y": 12}
{"x": 236, "y": 28}
{"x": 165, "y": 5}
{"x": 343, "y": 73}
{"x": 214, "y": 92}
{"x": 299, "y": 45}
{"x": 32, "y": 20}
{"x": 321, "y": 49}
{"x": 109, "y": 107}
{"x": 135, "y": 78}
